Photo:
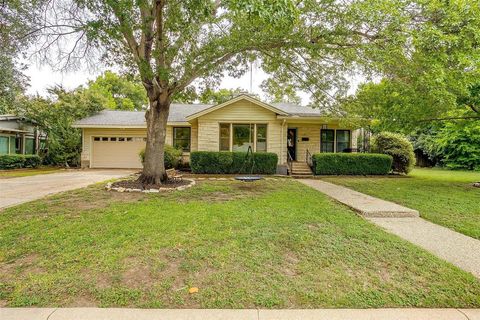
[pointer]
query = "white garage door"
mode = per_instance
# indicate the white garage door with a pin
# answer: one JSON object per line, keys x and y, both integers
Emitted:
{"x": 117, "y": 152}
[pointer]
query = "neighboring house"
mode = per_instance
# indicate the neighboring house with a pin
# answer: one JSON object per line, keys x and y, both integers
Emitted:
{"x": 19, "y": 135}
{"x": 113, "y": 139}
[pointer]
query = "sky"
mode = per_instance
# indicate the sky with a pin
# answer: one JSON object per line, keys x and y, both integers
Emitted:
{"x": 43, "y": 77}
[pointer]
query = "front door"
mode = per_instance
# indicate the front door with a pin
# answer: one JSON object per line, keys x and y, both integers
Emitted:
{"x": 292, "y": 143}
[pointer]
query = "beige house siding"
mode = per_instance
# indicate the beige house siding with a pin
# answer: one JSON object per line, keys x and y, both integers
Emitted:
{"x": 239, "y": 112}
{"x": 194, "y": 137}
{"x": 208, "y": 135}
{"x": 312, "y": 132}
{"x": 169, "y": 137}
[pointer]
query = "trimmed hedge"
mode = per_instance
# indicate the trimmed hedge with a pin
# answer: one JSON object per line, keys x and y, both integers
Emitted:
{"x": 223, "y": 162}
{"x": 352, "y": 164}
{"x": 32, "y": 161}
{"x": 18, "y": 161}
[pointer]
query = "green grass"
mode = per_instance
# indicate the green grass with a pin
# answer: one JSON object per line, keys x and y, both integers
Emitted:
{"x": 271, "y": 244}
{"x": 441, "y": 196}
{"x": 16, "y": 173}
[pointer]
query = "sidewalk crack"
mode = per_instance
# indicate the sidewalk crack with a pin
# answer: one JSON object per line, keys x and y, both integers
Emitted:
{"x": 52, "y": 313}
{"x": 463, "y": 313}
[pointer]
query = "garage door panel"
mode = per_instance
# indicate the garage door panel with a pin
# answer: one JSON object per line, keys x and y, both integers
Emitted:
{"x": 117, "y": 154}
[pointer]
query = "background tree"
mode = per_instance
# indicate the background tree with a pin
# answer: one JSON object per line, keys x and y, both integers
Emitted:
{"x": 16, "y": 18}
{"x": 55, "y": 115}
{"x": 437, "y": 74}
{"x": 210, "y": 96}
{"x": 206, "y": 95}
{"x": 119, "y": 92}
{"x": 280, "y": 91}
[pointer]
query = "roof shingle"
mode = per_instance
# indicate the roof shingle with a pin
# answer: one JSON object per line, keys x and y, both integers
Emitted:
{"x": 178, "y": 113}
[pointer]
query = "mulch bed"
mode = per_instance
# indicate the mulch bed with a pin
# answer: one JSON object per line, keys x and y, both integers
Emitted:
{"x": 135, "y": 184}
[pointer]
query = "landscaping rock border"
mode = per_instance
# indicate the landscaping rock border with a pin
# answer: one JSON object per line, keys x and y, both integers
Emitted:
{"x": 109, "y": 187}
{"x": 192, "y": 180}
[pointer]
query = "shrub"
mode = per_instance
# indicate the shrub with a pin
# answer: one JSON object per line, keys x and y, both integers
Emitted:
{"x": 32, "y": 161}
{"x": 458, "y": 143}
{"x": 171, "y": 156}
{"x": 265, "y": 163}
{"x": 352, "y": 164}
{"x": 211, "y": 162}
{"x": 17, "y": 161}
{"x": 12, "y": 161}
{"x": 397, "y": 146}
{"x": 222, "y": 162}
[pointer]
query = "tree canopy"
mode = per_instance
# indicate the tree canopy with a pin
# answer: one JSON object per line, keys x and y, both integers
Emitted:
{"x": 117, "y": 92}
{"x": 16, "y": 19}
{"x": 435, "y": 74}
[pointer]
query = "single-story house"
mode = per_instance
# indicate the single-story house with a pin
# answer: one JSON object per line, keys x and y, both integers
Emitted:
{"x": 19, "y": 135}
{"x": 113, "y": 139}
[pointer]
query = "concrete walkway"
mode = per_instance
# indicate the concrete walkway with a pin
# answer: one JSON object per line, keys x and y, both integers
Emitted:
{"x": 24, "y": 189}
{"x": 454, "y": 247}
{"x": 366, "y": 205}
{"x": 246, "y": 314}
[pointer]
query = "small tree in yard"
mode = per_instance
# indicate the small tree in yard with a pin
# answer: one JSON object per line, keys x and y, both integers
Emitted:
{"x": 314, "y": 45}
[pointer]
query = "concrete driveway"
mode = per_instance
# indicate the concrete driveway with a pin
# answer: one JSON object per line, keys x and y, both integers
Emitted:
{"x": 19, "y": 190}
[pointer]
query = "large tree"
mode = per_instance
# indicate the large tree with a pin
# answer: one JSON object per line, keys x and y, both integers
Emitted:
{"x": 16, "y": 18}
{"x": 314, "y": 44}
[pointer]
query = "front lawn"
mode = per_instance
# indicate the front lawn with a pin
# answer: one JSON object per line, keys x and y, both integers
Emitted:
{"x": 16, "y": 173}
{"x": 441, "y": 196}
{"x": 269, "y": 244}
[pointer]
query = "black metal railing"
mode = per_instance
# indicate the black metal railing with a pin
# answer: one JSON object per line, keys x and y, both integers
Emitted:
{"x": 289, "y": 162}
{"x": 309, "y": 159}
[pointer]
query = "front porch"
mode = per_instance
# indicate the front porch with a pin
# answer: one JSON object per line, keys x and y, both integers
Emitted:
{"x": 303, "y": 139}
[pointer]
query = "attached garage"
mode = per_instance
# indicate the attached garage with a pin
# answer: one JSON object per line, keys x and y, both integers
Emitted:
{"x": 116, "y": 152}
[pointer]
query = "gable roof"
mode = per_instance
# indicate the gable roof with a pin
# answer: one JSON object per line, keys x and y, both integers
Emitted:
{"x": 236, "y": 99}
{"x": 182, "y": 113}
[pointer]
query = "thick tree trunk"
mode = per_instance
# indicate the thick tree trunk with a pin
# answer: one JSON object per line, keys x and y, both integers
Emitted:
{"x": 156, "y": 118}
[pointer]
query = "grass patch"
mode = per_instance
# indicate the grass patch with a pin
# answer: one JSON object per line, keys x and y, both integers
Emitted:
{"x": 16, "y": 173}
{"x": 269, "y": 244}
{"x": 444, "y": 197}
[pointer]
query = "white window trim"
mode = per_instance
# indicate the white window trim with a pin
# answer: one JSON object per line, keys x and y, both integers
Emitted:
{"x": 255, "y": 124}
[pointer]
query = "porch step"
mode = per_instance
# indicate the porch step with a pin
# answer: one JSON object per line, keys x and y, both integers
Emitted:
{"x": 306, "y": 168}
{"x": 302, "y": 177}
{"x": 300, "y": 166}
{"x": 301, "y": 169}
